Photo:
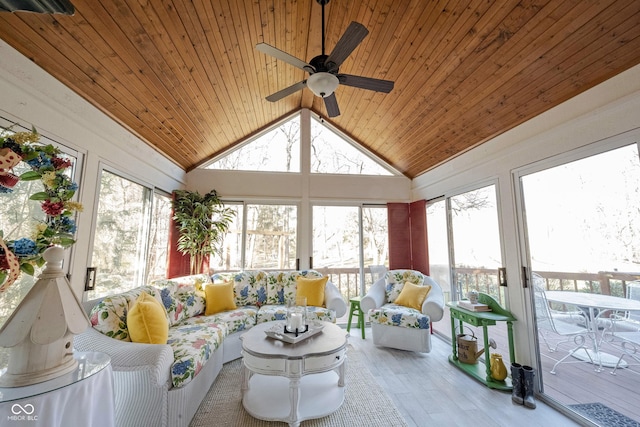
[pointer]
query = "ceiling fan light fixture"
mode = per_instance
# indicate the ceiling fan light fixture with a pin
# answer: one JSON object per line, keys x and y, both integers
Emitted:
{"x": 322, "y": 84}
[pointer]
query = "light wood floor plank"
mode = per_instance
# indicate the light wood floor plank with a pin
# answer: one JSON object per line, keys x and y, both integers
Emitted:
{"x": 429, "y": 391}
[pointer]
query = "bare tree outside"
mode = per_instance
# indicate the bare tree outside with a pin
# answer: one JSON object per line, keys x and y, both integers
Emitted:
{"x": 275, "y": 151}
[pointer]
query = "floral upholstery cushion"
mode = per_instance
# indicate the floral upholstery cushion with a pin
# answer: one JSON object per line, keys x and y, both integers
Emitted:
{"x": 237, "y": 320}
{"x": 250, "y": 288}
{"x": 181, "y": 301}
{"x": 396, "y": 280}
{"x": 398, "y": 315}
{"x": 109, "y": 316}
{"x": 320, "y": 313}
{"x": 193, "y": 342}
{"x": 281, "y": 285}
{"x": 269, "y": 313}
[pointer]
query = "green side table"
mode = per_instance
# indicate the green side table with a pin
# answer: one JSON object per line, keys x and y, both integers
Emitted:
{"x": 355, "y": 310}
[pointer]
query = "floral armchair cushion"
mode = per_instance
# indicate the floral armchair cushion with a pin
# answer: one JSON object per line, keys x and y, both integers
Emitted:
{"x": 281, "y": 285}
{"x": 109, "y": 316}
{"x": 396, "y": 279}
{"x": 398, "y": 315}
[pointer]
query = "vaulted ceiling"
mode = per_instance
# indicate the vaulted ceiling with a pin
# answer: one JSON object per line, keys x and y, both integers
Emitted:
{"x": 186, "y": 78}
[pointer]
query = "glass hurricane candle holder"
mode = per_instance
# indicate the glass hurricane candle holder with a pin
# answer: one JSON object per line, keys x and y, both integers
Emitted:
{"x": 296, "y": 316}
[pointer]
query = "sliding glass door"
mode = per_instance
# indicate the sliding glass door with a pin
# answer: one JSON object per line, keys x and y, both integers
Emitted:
{"x": 465, "y": 252}
{"x": 581, "y": 226}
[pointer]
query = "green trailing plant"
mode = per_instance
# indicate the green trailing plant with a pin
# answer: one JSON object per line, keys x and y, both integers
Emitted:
{"x": 202, "y": 222}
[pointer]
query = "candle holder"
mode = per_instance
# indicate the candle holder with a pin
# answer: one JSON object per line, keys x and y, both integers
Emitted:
{"x": 296, "y": 316}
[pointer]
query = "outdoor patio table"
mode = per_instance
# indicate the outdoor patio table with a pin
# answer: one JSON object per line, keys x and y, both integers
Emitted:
{"x": 595, "y": 305}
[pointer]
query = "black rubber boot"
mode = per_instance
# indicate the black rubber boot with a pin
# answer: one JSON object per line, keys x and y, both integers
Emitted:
{"x": 517, "y": 382}
{"x": 529, "y": 390}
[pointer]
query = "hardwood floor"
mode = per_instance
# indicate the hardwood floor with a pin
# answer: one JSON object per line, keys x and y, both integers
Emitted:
{"x": 429, "y": 391}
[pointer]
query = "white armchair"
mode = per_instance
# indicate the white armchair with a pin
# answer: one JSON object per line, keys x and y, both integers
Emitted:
{"x": 398, "y": 326}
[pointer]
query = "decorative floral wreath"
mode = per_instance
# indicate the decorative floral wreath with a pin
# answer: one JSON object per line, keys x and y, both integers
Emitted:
{"x": 23, "y": 254}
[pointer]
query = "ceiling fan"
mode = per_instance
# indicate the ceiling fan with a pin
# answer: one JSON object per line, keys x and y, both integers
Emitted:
{"x": 324, "y": 76}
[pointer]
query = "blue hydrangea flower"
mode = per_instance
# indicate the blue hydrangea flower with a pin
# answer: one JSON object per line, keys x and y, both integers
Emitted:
{"x": 281, "y": 296}
{"x": 244, "y": 292}
{"x": 24, "y": 247}
{"x": 181, "y": 368}
{"x": 262, "y": 295}
{"x": 64, "y": 224}
{"x": 191, "y": 300}
{"x": 5, "y": 189}
{"x": 423, "y": 323}
{"x": 389, "y": 287}
{"x": 280, "y": 316}
{"x": 166, "y": 298}
{"x": 396, "y": 318}
{"x": 42, "y": 161}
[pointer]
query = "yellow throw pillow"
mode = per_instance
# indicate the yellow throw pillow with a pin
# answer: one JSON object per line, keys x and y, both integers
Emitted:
{"x": 311, "y": 289}
{"x": 147, "y": 321}
{"x": 219, "y": 298}
{"x": 413, "y": 296}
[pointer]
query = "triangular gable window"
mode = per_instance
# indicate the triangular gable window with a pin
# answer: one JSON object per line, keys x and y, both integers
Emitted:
{"x": 332, "y": 153}
{"x": 277, "y": 150}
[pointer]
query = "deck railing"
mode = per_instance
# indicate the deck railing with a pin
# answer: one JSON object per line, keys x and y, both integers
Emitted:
{"x": 604, "y": 282}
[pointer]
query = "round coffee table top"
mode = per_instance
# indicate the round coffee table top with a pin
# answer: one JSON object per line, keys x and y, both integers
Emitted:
{"x": 256, "y": 342}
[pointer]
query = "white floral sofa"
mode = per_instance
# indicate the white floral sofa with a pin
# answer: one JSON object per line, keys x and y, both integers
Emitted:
{"x": 398, "y": 326}
{"x": 164, "y": 384}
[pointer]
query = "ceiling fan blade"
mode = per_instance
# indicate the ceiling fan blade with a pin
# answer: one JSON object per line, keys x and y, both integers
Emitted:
{"x": 351, "y": 38}
{"x": 287, "y": 91}
{"x": 366, "y": 83}
{"x": 282, "y": 56}
{"x": 331, "y": 103}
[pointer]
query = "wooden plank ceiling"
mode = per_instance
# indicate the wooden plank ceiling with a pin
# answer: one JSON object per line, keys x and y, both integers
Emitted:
{"x": 186, "y": 78}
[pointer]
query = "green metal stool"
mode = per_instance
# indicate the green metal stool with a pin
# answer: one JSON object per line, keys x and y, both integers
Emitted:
{"x": 356, "y": 311}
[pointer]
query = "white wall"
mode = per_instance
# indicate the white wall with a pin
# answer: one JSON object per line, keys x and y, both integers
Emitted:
{"x": 32, "y": 97}
{"x": 603, "y": 112}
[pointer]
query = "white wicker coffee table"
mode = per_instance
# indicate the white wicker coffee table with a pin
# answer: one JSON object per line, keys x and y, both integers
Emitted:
{"x": 293, "y": 382}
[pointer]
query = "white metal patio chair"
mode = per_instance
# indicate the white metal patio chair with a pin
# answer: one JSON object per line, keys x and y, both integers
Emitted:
{"x": 553, "y": 327}
{"x": 627, "y": 321}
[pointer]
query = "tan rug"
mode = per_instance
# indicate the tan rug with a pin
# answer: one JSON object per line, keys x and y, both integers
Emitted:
{"x": 365, "y": 403}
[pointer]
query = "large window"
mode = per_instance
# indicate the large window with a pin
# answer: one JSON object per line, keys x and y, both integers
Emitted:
{"x": 346, "y": 241}
{"x": 159, "y": 237}
{"x": 262, "y": 236}
{"x": 130, "y": 235}
{"x": 271, "y": 236}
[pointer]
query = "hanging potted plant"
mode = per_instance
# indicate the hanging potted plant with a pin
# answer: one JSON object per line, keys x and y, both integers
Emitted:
{"x": 202, "y": 222}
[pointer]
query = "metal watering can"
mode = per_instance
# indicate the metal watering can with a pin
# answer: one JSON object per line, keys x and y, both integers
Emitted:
{"x": 468, "y": 347}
